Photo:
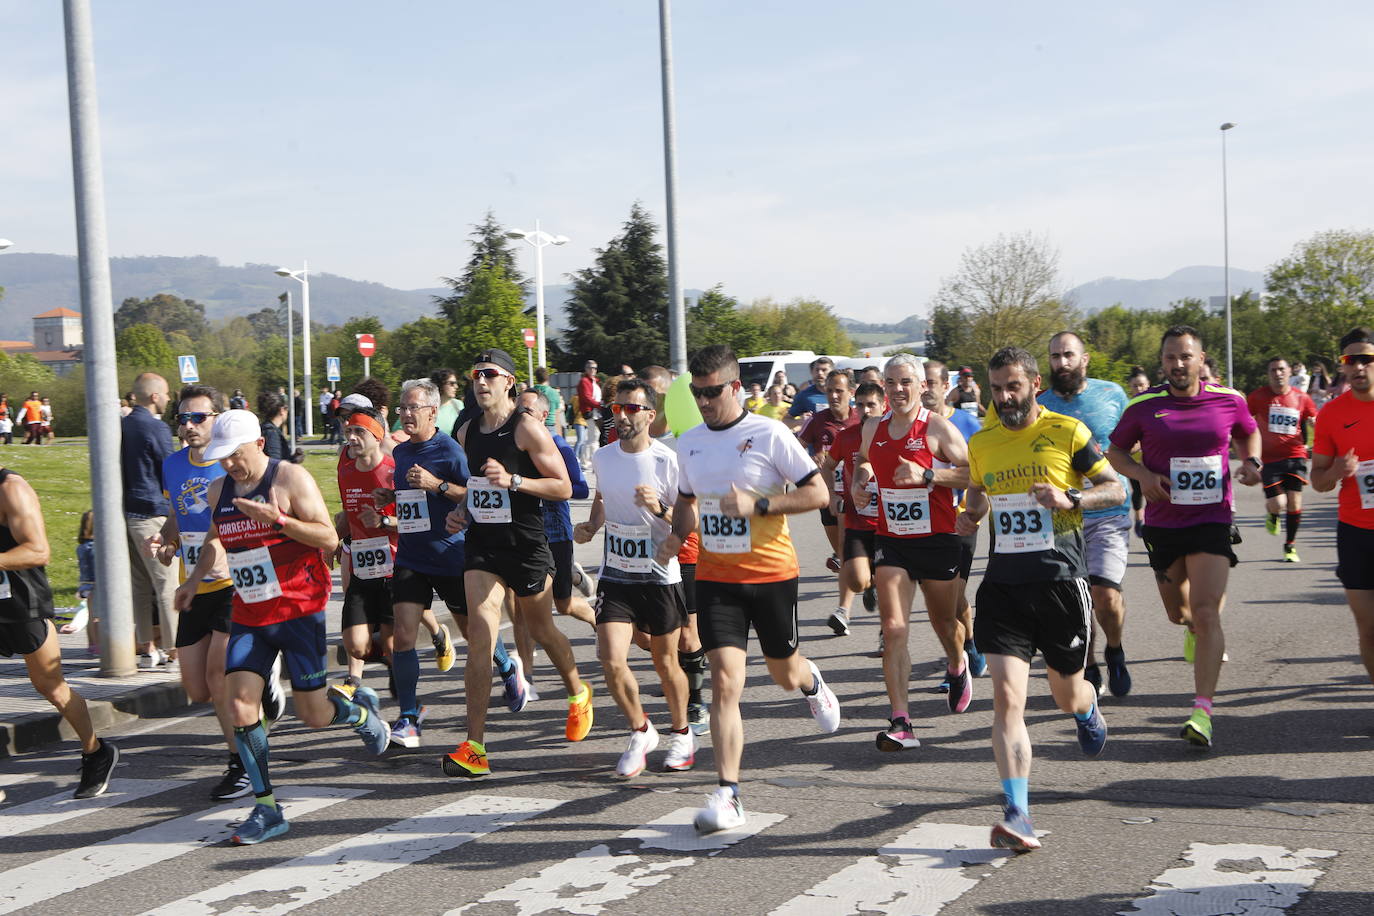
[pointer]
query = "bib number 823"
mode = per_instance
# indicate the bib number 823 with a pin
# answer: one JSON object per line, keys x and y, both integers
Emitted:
{"x": 488, "y": 499}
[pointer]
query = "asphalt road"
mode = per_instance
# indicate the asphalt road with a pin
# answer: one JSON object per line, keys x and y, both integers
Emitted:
{"x": 1277, "y": 815}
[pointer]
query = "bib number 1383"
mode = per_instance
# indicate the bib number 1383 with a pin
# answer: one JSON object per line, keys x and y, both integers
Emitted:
{"x": 721, "y": 533}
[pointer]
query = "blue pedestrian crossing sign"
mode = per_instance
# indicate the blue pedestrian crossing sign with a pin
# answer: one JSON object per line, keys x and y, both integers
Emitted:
{"x": 331, "y": 368}
{"x": 190, "y": 373}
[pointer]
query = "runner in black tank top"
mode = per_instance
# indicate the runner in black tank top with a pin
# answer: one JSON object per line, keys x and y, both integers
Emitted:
{"x": 26, "y": 624}
{"x": 526, "y": 527}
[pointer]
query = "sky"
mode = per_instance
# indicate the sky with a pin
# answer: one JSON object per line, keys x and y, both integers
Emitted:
{"x": 849, "y": 152}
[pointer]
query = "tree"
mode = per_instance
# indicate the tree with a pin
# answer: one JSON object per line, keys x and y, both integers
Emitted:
{"x": 143, "y": 347}
{"x": 490, "y": 248}
{"x": 716, "y": 318}
{"x": 165, "y": 311}
{"x": 491, "y": 313}
{"x": 618, "y": 312}
{"x": 425, "y": 344}
{"x": 800, "y": 324}
{"x": 1325, "y": 288}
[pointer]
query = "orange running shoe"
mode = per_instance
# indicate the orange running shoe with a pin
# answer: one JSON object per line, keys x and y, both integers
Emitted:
{"x": 580, "y": 714}
{"x": 469, "y": 760}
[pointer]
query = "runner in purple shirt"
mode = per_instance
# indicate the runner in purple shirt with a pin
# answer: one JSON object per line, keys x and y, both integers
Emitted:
{"x": 1184, "y": 428}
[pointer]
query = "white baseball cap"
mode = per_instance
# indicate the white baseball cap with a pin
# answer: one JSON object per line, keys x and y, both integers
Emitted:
{"x": 356, "y": 400}
{"x": 232, "y": 429}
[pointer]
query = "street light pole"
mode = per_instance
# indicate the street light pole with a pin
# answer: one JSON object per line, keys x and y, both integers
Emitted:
{"x": 1226, "y": 255}
{"x": 539, "y": 239}
{"x": 290, "y": 372}
{"x": 303, "y": 277}
{"x": 677, "y": 313}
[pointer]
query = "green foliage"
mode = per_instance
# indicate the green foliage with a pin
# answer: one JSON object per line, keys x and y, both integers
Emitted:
{"x": 423, "y": 345}
{"x": 490, "y": 248}
{"x": 491, "y": 313}
{"x": 1325, "y": 288}
{"x": 164, "y": 311}
{"x": 800, "y": 324}
{"x": 143, "y": 347}
{"x": 716, "y": 318}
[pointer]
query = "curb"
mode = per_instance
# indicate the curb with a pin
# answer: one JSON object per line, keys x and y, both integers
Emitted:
{"x": 37, "y": 730}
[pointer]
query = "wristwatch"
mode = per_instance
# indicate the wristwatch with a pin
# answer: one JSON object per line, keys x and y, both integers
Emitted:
{"x": 662, "y": 509}
{"x": 443, "y": 488}
{"x": 761, "y": 506}
{"x": 1075, "y": 496}
{"x": 928, "y": 476}
{"x": 1256, "y": 462}
{"x": 515, "y": 481}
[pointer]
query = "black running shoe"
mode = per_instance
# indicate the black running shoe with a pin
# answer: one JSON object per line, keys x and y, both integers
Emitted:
{"x": 95, "y": 770}
{"x": 235, "y": 782}
{"x": 1093, "y": 675}
{"x": 870, "y": 596}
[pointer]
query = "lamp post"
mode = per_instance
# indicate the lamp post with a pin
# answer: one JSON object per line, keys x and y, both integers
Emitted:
{"x": 1226, "y": 255}
{"x": 677, "y": 312}
{"x": 285, "y": 299}
{"x": 540, "y": 240}
{"x": 302, "y": 276}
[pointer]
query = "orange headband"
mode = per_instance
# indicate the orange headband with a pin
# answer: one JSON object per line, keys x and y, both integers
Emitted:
{"x": 363, "y": 421}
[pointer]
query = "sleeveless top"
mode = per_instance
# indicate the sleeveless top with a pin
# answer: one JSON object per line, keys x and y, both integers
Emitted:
{"x": 908, "y": 511}
{"x": 526, "y": 523}
{"x": 275, "y": 578}
{"x": 24, "y": 593}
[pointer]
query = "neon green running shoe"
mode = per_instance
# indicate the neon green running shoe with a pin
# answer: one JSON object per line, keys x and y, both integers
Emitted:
{"x": 1271, "y": 524}
{"x": 1189, "y": 646}
{"x": 1198, "y": 729}
{"x": 1290, "y": 554}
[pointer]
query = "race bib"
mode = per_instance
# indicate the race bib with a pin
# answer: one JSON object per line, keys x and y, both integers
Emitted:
{"x": 1020, "y": 524}
{"x": 1283, "y": 420}
{"x": 192, "y": 542}
{"x": 372, "y": 558}
{"x": 871, "y": 509}
{"x": 1364, "y": 478}
{"x": 1196, "y": 481}
{"x": 906, "y": 510}
{"x": 720, "y": 533}
{"x": 412, "y": 511}
{"x": 255, "y": 578}
{"x": 839, "y": 479}
{"x": 970, "y": 406}
{"x": 488, "y": 504}
{"x": 629, "y": 548}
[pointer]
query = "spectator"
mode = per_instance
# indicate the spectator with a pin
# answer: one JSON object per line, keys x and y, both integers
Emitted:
{"x": 773, "y": 406}
{"x": 326, "y": 415}
{"x": 272, "y": 416}
{"x": 450, "y": 404}
{"x": 31, "y": 415}
{"x": 755, "y": 399}
{"x": 554, "y": 421}
{"x": 45, "y": 411}
{"x": 237, "y": 401}
{"x": 1298, "y": 379}
{"x": 6, "y": 428}
{"x": 789, "y": 393}
{"x": 584, "y": 447}
{"x": 126, "y": 404}
{"x": 144, "y": 441}
{"x": 589, "y": 394}
{"x": 85, "y": 617}
{"x": 298, "y": 405}
{"x": 336, "y": 430}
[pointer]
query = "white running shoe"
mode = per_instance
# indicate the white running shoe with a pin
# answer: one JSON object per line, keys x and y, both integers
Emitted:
{"x": 152, "y": 660}
{"x": 531, "y": 693}
{"x": 273, "y": 698}
{"x": 583, "y": 581}
{"x": 682, "y": 752}
{"x": 723, "y": 811}
{"x": 635, "y": 758}
{"x": 824, "y": 707}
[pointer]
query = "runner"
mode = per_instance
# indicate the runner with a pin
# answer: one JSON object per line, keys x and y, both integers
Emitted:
{"x": 637, "y": 485}
{"x": 1098, "y": 403}
{"x": 1343, "y": 453}
{"x": 1183, "y": 428}
{"x": 811, "y": 399}
{"x": 26, "y": 628}
{"x": 734, "y": 472}
{"x": 1135, "y": 387}
{"x": 1033, "y": 597}
{"x": 203, "y": 629}
{"x": 818, "y": 433}
{"x": 508, "y": 549}
{"x": 856, "y": 575}
{"x": 1284, "y": 415}
{"x": 915, "y": 542}
{"x": 271, "y": 519}
{"x": 966, "y": 395}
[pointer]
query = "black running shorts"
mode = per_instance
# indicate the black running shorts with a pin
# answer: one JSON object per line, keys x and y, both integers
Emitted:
{"x": 655, "y": 609}
{"x": 1355, "y": 557}
{"x": 367, "y": 602}
{"x": 1166, "y": 545}
{"x": 726, "y": 611}
{"x": 410, "y": 586}
{"x": 209, "y": 613}
{"x": 858, "y": 542}
{"x": 1287, "y": 474}
{"x": 1046, "y": 617}
{"x": 23, "y": 637}
{"x": 689, "y": 586}
{"x": 562, "y": 568}
{"x": 525, "y": 568}
{"x": 968, "y": 546}
{"x": 933, "y": 556}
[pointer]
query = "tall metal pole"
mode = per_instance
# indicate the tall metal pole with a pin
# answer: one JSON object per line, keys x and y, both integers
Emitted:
{"x": 1226, "y": 256}
{"x": 677, "y": 314}
{"x": 115, "y": 604}
{"x": 305, "y": 356}
{"x": 290, "y": 372}
{"x": 539, "y": 244}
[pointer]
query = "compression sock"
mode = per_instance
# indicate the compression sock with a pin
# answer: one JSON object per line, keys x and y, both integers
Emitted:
{"x": 1203, "y": 703}
{"x": 406, "y": 667}
{"x": 347, "y": 712}
{"x": 732, "y": 786}
{"x": 501, "y": 656}
{"x": 1290, "y": 526}
{"x": 1017, "y": 792}
{"x": 1085, "y": 716}
{"x": 252, "y": 742}
{"x": 694, "y": 665}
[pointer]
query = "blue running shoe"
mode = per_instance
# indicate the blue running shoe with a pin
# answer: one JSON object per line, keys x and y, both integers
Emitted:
{"x": 264, "y": 823}
{"x": 1014, "y": 831}
{"x": 1118, "y": 675}
{"x": 977, "y": 663}
{"x": 1092, "y": 734}
{"x": 513, "y": 682}
{"x": 373, "y": 730}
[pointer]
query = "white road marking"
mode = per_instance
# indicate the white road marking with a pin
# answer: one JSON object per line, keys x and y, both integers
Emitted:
{"x": 929, "y": 872}
{"x": 1204, "y": 888}
{"x": 54, "y": 809}
{"x": 84, "y": 866}
{"x": 358, "y": 859}
{"x": 597, "y": 876}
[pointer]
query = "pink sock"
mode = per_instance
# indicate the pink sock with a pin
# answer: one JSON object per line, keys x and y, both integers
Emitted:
{"x": 1203, "y": 703}
{"x": 900, "y": 714}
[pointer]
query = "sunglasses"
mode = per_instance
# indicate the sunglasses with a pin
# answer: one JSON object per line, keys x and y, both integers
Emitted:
{"x": 195, "y": 419}
{"x": 710, "y": 392}
{"x": 1357, "y": 359}
{"x": 631, "y": 409}
{"x": 489, "y": 374}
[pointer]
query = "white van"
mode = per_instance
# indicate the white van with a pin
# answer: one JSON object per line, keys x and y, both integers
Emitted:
{"x": 794, "y": 364}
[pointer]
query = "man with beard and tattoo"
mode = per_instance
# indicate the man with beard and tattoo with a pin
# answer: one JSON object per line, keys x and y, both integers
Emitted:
{"x": 1106, "y": 531}
{"x": 1184, "y": 428}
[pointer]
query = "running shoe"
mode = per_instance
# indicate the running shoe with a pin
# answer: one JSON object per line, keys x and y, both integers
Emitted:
{"x": 151, "y": 661}
{"x": 960, "y": 688}
{"x": 870, "y": 596}
{"x": 1189, "y": 645}
{"x": 1198, "y": 729}
{"x": 879, "y": 653}
{"x": 265, "y": 822}
{"x": 1093, "y": 675}
{"x": 1271, "y": 524}
{"x": 839, "y": 621}
{"x": 825, "y": 709}
{"x": 531, "y": 693}
{"x": 1118, "y": 675}
{"x": 898, "y": 737}
{"x": 1014, "y": 831}
{"x": 699, "y": 718}
{"x": 344, "y": 689}
{"x": 580, "y": 714}
{"x": 636, "y": 756}
{"x": 95, "y": 770}
{"x": 977, "y": 662}
{"x": 234, "y": 783}
{"x": 373, "y": 729}
{"x": 514, "y": 684}
{"x": 722, "y": 812}
{"x": 468, "y": 760}
{"x": 1092, "y": 734}
{"x": 1290, "y": 554}
{"x": 583, "y": 581}
{"x": 833, "y": 564}
{"x": 273, "y": 699}
{"x": 1140, "y": 529}
{"x": 406, "y": 732}
{"x": 443, "y": 649}
{"x": 682, "y": 752}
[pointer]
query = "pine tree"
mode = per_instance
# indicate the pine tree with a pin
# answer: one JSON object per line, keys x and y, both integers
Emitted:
{"x": 490, "y": 248}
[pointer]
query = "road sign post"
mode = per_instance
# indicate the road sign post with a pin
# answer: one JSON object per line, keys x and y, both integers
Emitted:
{"x": 367, "y": 346}
{"x": 190, "y": 372}
{"x": 530, "y": 340}
{"x": 331, "y": 368}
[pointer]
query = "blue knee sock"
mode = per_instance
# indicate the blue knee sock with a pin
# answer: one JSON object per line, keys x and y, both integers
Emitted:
{"x": 1017, "y": 792}
{"x": 346, "y": 712}
{"x": 500, "y": 656}
{"x": 252, "y": 742}
{"x": 1085, "y": 716}
{"x": 405, "y": 666}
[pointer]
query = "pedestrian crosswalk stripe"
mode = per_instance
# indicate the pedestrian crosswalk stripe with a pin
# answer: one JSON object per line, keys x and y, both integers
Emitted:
{"x": 930, "y": 871}
{"x": 54, "y": 809}
{"x": 597, "y": 876}
{"x": 127, "y": 853}
{"x": 358, "y": 859}
{"x": 1205, "y": 886}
